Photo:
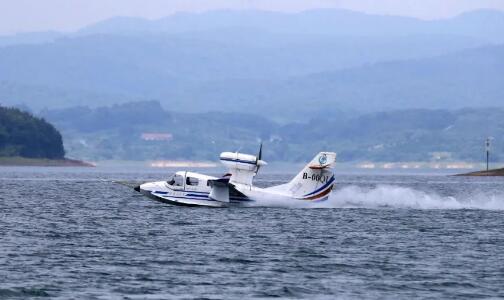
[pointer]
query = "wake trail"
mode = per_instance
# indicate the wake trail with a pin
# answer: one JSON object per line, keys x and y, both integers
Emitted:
{"x": 390, "y": 196}
{"x": 395, "y": 197}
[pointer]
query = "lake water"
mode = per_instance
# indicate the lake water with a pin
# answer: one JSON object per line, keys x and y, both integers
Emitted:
{"x": 71, "y": 233}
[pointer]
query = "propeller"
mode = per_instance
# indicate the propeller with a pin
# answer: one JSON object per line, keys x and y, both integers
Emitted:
{"x": 258, "y": 158}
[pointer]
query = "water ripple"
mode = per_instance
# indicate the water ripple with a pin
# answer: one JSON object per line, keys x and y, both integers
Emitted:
{"x": 65, "y": 234}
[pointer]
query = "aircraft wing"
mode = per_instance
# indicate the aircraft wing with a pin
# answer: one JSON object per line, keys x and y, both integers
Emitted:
{"x": 224, "y": 191}
{"x": 220, "y": 189}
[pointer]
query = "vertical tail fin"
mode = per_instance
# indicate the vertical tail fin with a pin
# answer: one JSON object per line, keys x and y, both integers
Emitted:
{"x": 316, "y": 180}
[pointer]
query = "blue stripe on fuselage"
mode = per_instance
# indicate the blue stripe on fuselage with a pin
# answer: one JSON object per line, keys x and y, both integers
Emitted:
{"x": 191, "y": 196}
{"x": 239, "y": 161}
{"x": 322, "y": 187}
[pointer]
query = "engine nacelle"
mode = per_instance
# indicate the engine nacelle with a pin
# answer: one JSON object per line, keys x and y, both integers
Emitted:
{"x": 243, "y": 167}
{"x": 239, "y": 161}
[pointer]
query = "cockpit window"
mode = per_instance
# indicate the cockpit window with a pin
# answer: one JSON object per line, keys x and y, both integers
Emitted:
{"x": 191, "y": 181}
{"x": 179, "y": 180}
{"x": 176, "y": 180}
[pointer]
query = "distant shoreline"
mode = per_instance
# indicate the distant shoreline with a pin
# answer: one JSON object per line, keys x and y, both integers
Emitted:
{"x": 494, "y": 172}
{"x": 42, "y": 162}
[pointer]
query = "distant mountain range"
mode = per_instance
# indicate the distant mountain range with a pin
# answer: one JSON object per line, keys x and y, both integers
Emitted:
{"x": 487, "y": 24}
{"x": 481, "y": 24}
{"x": 470, "y": 78}
{"x": 285, "y": 66}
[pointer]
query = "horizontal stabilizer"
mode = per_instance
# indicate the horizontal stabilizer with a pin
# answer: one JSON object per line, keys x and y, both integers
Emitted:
{"x": 319, "y": 167}
{"x": 322, "y": 160}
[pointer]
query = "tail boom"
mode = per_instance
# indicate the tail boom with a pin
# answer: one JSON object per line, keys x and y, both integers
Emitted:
{"x": 314, "y": 183}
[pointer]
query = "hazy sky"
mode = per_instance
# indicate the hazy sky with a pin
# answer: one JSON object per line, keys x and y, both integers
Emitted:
{"x": 68, "y": 15}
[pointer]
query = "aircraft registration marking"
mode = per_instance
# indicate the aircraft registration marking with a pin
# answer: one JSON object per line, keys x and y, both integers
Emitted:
{"x": 316, "y": 177}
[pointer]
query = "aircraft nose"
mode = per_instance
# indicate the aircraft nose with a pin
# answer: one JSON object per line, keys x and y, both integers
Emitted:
{"x": 137, "y": 188}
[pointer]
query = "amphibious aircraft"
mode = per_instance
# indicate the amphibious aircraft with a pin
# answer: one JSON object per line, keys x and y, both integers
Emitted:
{"x": 313, "y": 183}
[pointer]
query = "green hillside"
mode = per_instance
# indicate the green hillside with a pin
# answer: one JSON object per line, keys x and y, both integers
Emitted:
{"x": 406, "y": 135}
{"x": 23, "y": 135}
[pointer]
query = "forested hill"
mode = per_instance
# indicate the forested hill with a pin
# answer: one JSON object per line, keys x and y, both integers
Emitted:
{"x": 24, "y": 135}
{"x": 145, "y": 131}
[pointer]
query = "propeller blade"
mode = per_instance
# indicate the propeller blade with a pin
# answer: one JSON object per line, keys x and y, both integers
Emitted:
{"x": 260, "y": 152}
{"x": 258, "y": 158}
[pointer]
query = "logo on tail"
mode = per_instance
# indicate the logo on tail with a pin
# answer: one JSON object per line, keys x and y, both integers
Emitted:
{"x": 322, "y": 159}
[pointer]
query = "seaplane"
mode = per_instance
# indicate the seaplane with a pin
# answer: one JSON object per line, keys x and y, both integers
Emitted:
{"x": 313, "y": 183}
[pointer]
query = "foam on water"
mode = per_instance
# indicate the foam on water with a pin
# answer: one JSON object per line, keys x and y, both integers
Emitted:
{"x": 390, "y": 196}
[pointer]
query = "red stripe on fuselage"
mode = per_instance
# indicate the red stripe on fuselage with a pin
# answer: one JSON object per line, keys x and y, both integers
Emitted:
{"x": 324, "y": 193}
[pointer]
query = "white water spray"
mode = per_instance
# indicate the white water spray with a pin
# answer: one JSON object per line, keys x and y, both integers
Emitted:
{"x": 389, "y": 196}
{"x": 393, "y": 197}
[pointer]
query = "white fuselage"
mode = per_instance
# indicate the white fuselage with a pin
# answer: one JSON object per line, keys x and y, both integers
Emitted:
{"x": 199, "y": 195}
{"x": 313, "y": 183}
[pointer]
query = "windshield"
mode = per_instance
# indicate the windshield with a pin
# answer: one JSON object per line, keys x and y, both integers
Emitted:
{"x": 171, "y": 181}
